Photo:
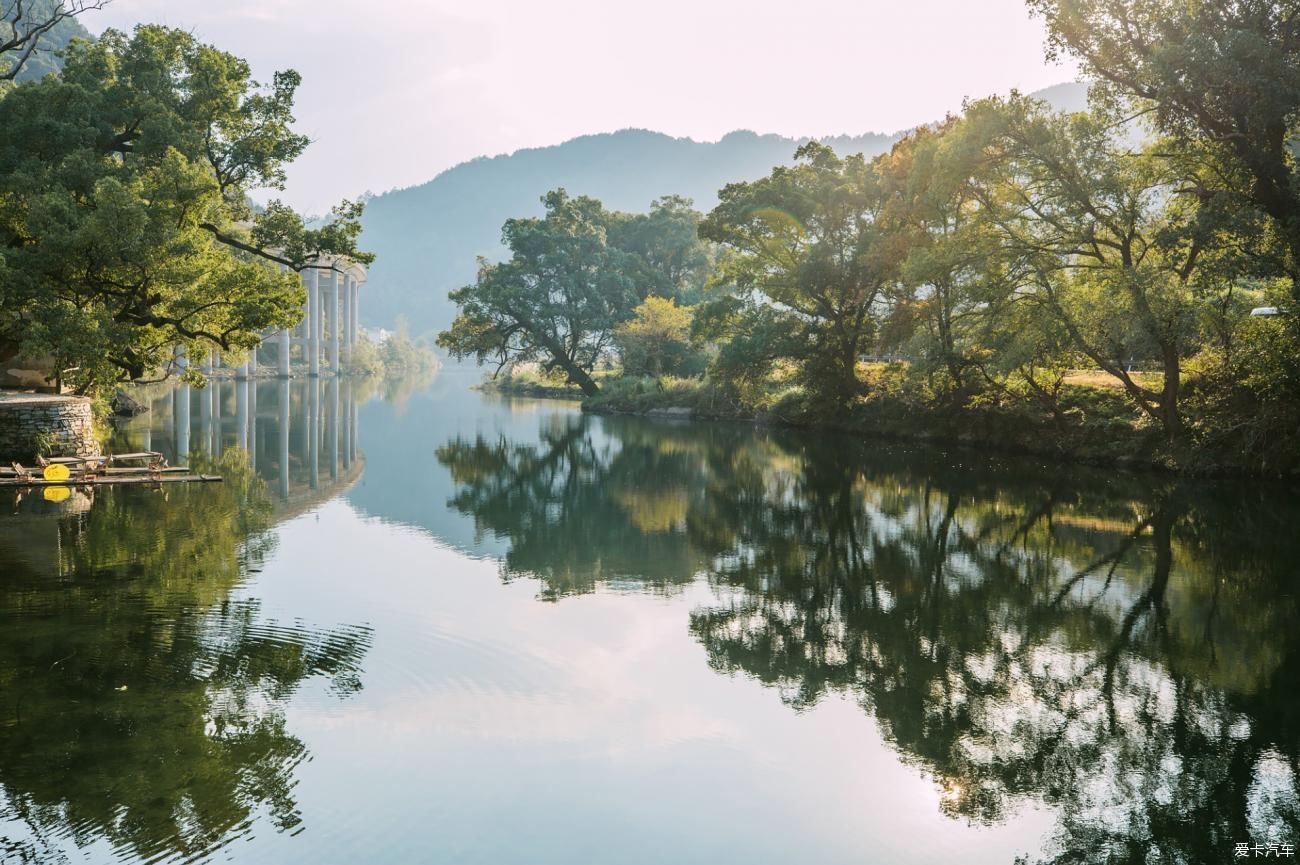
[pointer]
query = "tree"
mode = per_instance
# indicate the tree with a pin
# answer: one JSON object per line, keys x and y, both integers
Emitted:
{"x": 809, "y": 260}
{"x": 956, "y": 283}
{"x": 1099, "y": 241}
{"x": 125, "y": 224}
{"x": 657, "y": 340}
{"x": 1222, "y": 75}
{"x": 667, "y": 239}
{"x": 556, "y": 299}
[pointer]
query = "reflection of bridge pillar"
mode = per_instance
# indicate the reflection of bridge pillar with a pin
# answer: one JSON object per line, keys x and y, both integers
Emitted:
{"x": 304, "y": 412}
{"x": 241, "y": 413}
{"x": 313, "y": 325}
{"x": 284, "y": 438}
{"x": 252, "y": 424}
{"x": 181, "y": 422}
{"x": 352, "y": 420}
{"x": 313, "y": 421}
{"x": 332, "y": 434}
{"x": 146, "y": 432}
{"x": 215, "y": 449}
{"x": 347, "y": 427}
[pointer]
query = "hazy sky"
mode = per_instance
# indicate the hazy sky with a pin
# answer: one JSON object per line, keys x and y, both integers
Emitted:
{"x": 396, "y": 91}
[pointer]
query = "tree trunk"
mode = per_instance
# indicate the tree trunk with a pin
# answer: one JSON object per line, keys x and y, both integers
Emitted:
{"x": 579, "y": 376}
{"x": 1170, "y": 418}
{"x": 575, "y": 374}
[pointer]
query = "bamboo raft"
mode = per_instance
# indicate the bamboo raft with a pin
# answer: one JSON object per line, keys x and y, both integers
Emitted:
{"x": 150, "y": 468}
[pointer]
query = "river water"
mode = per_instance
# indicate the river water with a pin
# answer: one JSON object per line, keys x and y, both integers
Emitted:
{"x": 427, "y": 625}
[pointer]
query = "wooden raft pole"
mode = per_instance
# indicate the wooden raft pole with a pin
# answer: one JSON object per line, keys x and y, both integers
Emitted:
{"x": 99, "y": 471}
{"x": 109, "y": 480}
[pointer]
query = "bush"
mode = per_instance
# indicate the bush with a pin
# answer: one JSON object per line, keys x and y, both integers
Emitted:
{"x": 1244, "y": 404}
{"x": 658, "y": 342}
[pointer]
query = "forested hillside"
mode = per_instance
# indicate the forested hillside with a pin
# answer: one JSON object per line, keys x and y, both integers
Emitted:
{"x": 45, "y": 60}
{"x": 427, "y": 237}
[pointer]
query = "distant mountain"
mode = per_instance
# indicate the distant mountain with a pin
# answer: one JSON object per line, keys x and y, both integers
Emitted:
{"x": 428, "y": 237}
{"x": 45, "y": 60}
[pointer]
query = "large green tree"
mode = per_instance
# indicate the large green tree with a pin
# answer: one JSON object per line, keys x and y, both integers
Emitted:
{"x": 1102, "y": 245}
{"x": 667, "y": 240}
{"x": 556, "y": 300}
{"x": 1224, "y": 76}
{"x": 125, "y": 223}
{"x": 957, "y": 286}
{"x": 811, "y": 265}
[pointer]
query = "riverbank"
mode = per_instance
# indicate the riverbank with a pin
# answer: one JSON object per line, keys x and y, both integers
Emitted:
{"x": 1090, "y": 424}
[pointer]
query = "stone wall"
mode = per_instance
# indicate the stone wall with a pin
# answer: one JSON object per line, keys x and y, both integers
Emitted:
{"x": 63, "y": 423}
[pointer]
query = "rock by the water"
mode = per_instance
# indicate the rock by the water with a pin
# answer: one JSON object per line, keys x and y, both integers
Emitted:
{"x": 126, "y": 406}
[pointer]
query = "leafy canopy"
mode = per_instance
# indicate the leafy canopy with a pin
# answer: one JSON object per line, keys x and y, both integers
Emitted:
{"x": 572, "y": 277}
{"x": 125, "y": 224}
{"x": 811, "y": 263}
{"x": 1221, "y": 78}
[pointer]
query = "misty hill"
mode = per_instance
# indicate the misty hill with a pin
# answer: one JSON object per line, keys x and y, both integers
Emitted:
{"x": 45, "y": 59}
{"x": 428, "y": 237}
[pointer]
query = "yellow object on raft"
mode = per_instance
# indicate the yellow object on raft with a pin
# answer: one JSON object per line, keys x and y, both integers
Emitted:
{"x": 56, "y": 472}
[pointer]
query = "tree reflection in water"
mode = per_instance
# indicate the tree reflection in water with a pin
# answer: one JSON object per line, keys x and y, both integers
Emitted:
{"x": 141, "y": 704}
{"x": 1122, "y": 649}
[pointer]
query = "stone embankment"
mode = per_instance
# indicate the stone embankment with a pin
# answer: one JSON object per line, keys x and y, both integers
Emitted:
{"x": 48, "y": 424}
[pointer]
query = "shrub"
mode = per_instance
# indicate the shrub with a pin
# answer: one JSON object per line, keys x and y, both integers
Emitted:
{"x": 657, "y": 341}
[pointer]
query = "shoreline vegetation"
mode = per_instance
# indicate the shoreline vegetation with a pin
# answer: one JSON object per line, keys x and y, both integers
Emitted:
{"x": 1096, "y": 425}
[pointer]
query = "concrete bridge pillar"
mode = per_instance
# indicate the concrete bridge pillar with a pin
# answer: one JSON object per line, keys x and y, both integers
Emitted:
{"x": 313, "y": 322}
{"x": 181, "y": 421}
{"x": 283, "y": 339}
{"x": 356, "y": 311}
{"x": 215, "y": 395}
{"x": 349, "y": 287}
{"x": 333, "y": 332}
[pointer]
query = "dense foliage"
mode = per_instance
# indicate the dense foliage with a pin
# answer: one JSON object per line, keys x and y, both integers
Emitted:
{"x": 125, "y": 224}
{"x": 573, "y": 276}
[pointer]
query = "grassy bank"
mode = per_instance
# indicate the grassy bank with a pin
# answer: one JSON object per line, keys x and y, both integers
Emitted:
{"x": 1089, "y": 422}
{"x": 529, "y": 381}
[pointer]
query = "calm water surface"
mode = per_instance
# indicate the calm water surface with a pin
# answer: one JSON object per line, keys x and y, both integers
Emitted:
{"x": 432, "y": 626}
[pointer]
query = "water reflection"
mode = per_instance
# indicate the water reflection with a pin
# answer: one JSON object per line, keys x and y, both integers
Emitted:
{"x": 301, "y": 435}
{"x": 143, "y": 695}
{"x": 1122, "y": 649}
